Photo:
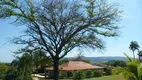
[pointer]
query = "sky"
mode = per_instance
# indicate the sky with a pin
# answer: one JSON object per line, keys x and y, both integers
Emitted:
{"x": 131, "y": 31}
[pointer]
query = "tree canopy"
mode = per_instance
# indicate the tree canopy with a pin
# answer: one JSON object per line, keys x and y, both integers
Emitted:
{"x": 59, "y": 26}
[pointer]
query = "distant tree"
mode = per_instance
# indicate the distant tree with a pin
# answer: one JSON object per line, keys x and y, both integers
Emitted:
{"x": 11, "y": 74}
{"x": 59, "y": 26}
{"x": 133, "y": 47}
{"x": 23, "y": 65}
{"x": 62, "y": 61}
{"x": 116, "y": 63}
{"x": 121, "y": 63}
{"x": 140, "y": 55}
{"x": 79, "y": 57}
{"x": 3, "y": 69}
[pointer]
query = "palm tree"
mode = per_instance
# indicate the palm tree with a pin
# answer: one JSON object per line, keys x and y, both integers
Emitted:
{"x": 31, "y": 60}
{"x": 41, "y": 60}
{"x": 134, "y": 46}
{"x": 23, "y": 65}
{"x": 133, "y": 70}
{"x": 140, "y": 55}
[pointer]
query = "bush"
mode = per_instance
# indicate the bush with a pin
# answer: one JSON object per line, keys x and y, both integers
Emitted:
{"x": 70, "y": 74}
{"x": 3, "y": 70}
{"x": 62, "y": 75}
{"x": 108, "y": 71}
{"x": 89, "y": 74}
{"x": 98, "y": 73}
{"x": 79, "y": 75}
{"x": 11, "y": 74}
{"x": 50, "y": 76}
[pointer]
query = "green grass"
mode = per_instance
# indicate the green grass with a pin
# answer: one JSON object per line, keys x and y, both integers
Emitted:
{"x": 117, "y": 77}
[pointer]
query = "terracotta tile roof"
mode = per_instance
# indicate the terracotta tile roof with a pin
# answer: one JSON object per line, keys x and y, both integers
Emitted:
{"x": 76, "y": 65}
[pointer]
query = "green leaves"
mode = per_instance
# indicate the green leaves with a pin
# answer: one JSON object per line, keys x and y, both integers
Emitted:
{"x": 140, "y": 53}
{"x": 128, "y": 57}
{"x": 64, "y": 25}
{"x": 3, "y": 69}
{"x": 59, "y": 26}
{"x": 133, "y": 70}
{"x": 133, "y": 47}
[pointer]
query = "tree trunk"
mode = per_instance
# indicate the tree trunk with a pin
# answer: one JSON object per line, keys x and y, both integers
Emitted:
{"x": 45, "y": 71}
{"x": 56, "y": 69}
{"x": 133, "y": 55}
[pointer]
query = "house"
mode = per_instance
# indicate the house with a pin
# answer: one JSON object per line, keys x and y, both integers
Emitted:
{"x": 71, "y": 66}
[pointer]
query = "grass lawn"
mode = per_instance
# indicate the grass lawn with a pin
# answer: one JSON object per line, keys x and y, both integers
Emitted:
{"x": 117, "y": 77}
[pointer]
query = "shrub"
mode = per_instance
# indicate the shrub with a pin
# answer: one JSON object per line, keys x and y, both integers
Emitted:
{"x": 70, "y": 74}
{"x": 62, "y": 75}
{"x": 79, "y": 75}
{"x": 89, "y": 74}
{"x": 50, "y": 76}
{"x": 98, "y": 73}
{"x": 3, "y": 70}
{"x": 11, "y": 74}
{"x": 108, "y": 71}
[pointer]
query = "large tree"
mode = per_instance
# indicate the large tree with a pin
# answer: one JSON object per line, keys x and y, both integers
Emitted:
{"x": 133, "y": 47}
{"x": 59, "y": 26}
